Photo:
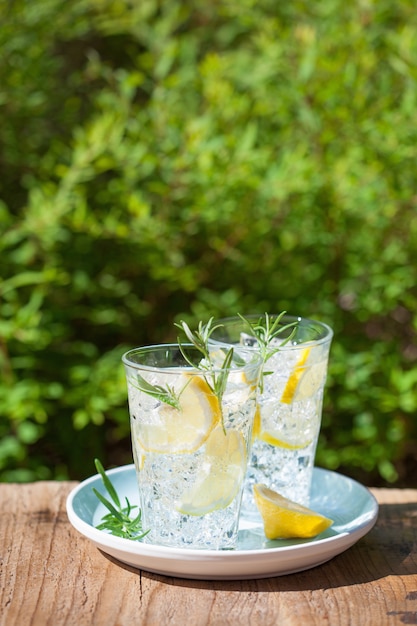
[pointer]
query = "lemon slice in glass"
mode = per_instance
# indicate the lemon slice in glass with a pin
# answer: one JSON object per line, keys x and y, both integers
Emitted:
{"x": 295, "y": 377}
{"x": 221, "y": 474}
{"x": 256, "y": 430}
{"x": 312, "y": 379}
{"x": 184, "y": 430}
{"x": 285, "y": 519}
{"x": 302, "y": 442}
{"x": 282, "y": 429}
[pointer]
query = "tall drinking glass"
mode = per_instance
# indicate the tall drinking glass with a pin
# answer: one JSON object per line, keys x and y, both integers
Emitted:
{"x": 288, "y": 418}
{"x": 191, "y": 429}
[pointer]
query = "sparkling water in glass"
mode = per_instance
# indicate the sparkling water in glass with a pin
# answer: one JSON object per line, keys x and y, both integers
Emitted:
{"x": 191, "y": 431}
{"x": 290, "y": 398}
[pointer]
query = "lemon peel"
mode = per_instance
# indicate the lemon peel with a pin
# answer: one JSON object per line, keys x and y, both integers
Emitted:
{"x": 281, "y": 443}
{"x": 295, "y": 377}
{"x": 256, "y": 429}
{"x": 285, "y": 519}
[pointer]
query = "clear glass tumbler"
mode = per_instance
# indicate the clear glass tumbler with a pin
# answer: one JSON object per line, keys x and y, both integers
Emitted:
{"x": 288, "y": 418}
{"x": 191, "y": 429}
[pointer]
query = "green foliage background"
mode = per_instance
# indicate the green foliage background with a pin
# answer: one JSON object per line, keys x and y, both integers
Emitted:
{"x": 180, "y": 159}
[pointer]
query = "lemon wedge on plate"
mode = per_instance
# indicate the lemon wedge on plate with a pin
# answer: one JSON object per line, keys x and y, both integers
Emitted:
{"x": 222, "y": 470}
{"x": 183, "y": 430}
{"x": 285, "y": 519}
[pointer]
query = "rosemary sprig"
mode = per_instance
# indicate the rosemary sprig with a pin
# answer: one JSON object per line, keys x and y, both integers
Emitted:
{"x": 217, "y": 378}
{"x": 265, "y": 330}
{"x": 118, "y": 521}
{"x": 167, "y": 394}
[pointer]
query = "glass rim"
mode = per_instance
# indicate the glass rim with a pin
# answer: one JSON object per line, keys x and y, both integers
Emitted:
{"x": 175, "y": 369}
{"x": 286, "y": 318}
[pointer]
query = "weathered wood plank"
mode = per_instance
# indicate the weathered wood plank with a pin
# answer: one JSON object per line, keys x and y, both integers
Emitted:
{"x": 52, "y": 576}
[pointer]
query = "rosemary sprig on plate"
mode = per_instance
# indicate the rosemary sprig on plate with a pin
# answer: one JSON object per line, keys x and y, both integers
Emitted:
{"x": 118, "y": 521}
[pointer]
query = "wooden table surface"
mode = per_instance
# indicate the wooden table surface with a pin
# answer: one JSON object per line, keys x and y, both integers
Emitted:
{"x": 52, "y": 576}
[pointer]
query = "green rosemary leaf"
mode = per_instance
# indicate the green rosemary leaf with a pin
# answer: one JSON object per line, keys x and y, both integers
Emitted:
{"x": 107, "y": 483}
{"x": 129, "y": 507}
{"x": 108, "y": 505}
{"x": 221, "y": 381}
{"x": 167, "y": 394}
{"x": 188, "y": 333}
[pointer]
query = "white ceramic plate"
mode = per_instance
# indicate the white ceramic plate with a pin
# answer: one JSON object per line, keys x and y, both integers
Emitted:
{"x": 352, "y": 507}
